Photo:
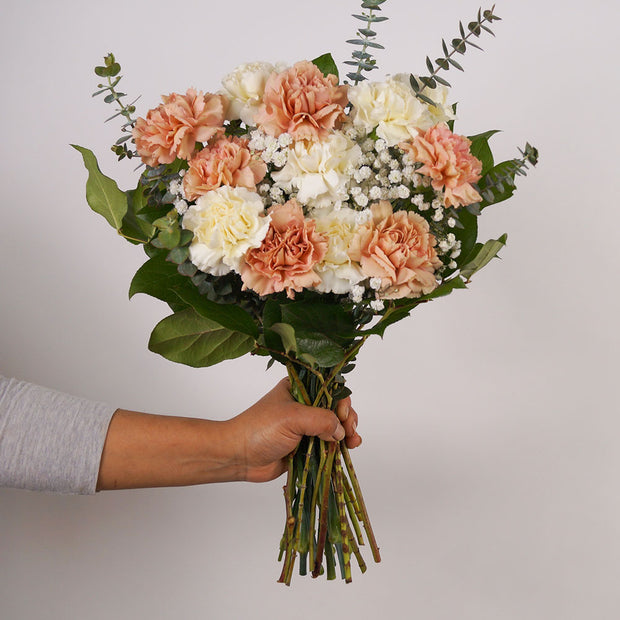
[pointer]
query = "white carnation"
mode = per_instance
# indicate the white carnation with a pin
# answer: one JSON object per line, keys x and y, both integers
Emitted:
{"x": 320, "y": 171}
{"x": 338, "y": 272}
{"x": 245, "y": 88}
{"x": 390, "y": 106}
{"x": 226, "y": 223}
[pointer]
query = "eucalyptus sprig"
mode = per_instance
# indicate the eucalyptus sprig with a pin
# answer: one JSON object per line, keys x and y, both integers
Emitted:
{"x": 111, "y": 70}
{"x": 459, "y": 46}
{"x": 362, "y": 58}
{"x": 499, "y": 183}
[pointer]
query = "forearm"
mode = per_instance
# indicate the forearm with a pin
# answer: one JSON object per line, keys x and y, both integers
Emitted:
{"x": 144, "y": 450}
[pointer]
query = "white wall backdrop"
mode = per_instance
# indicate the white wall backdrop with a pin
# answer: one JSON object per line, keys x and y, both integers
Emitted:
{"x": 490, "y": 462}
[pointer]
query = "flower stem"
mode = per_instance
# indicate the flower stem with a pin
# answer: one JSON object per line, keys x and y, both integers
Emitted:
{"x": 342, "y": 514}
{"x": 326, "y": 484}
{"x": 360, "y": 499}
{"x": 289, "y": 528}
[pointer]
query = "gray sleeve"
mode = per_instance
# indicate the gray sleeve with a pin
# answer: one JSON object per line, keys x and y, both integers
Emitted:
{"x": 50, "y": 441}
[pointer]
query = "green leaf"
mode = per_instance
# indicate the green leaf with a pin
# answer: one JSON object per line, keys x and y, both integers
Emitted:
{"x": 480, "y": 149}
{"x": 326, "y": 64}
{"x": 455, "y": 64}
{"x": 445, "y": 288}
{"x": 188, "y": 338}
{"x": 466, "y": 235}
{"x": 102, "y": 192}
{"x": 312, "y": 345}
{"x": 287, "y": 335}
{"x": 483, "y": 255}
{"x": 330, "y": 320}
{"x": 162, "y": 280}
{"x": 136, "y": 228}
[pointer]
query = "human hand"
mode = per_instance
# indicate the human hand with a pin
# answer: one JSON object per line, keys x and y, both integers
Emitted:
{"x": 265, "y": 433}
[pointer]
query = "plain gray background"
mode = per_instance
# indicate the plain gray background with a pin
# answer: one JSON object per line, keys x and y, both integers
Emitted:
{"x": 490, "y": 418}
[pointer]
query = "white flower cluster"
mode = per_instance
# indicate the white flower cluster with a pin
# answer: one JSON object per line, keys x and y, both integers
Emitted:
{"x": 384, "y": 174}
{"x": 179, "y": 199}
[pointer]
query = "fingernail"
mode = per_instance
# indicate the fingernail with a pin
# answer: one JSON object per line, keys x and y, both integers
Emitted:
{"x": 354, "y": 426}
{"x": 339, "y": 434}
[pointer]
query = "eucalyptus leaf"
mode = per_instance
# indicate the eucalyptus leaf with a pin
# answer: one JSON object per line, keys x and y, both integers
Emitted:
{"x": 499, "y": 181}
{"x": 188, "y": 338}
{"x": 102, "y": 192}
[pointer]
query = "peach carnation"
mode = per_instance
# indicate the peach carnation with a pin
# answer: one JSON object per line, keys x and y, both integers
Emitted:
{"x": 399, "y": 249}
{"x": 448, "y": 162}
{"x": 226, "y": 162}
{"x": 172, "y": 129}
{"x": 288, "y": 254}
{"x": 303, "y": 102}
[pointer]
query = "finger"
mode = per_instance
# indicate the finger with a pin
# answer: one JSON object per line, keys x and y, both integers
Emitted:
{"x": 317, "y": 422}
{"x": 350, "y": 424}
{"x": 354, "y": 441}
{"x": 343, "y": 408}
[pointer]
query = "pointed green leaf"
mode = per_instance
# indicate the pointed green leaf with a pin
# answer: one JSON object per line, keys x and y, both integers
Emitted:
{"x": 162, "y": 280}
{"x": 326, "y": 64}
{"x": 287, "y": 335}
{"x": 480, "y": 149}
{"x": 188, "y": 338}
{"x": 466, "y": 235}
{"x": 330, "y": 320}
{"x": 102, "y": 192}
{"x": 485, "y": 253}
{"x": 324, "y": 350}
{"x": 136, "y": 228}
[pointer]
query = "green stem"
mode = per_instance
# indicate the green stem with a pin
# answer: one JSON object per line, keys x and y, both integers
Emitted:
{"x": 315, "y": 497}
{"x": 326, "y": 484}
{"x": 353, "y": 509}
{"x": 342, "y": 514}
{"x": 302, "y": 496}
{"x": 360, "y": 499}
{"x": 289, "y": 490}
{"x": 350, "y": 354}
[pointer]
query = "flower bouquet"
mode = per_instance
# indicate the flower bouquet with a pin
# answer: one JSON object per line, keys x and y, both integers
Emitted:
{"x": 294, "y": 216}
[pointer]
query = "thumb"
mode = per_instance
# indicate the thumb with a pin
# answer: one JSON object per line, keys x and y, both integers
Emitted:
{"x": 315, "y": 421}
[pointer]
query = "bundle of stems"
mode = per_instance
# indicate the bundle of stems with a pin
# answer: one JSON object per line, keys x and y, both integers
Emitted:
{"x": 325, "y": 509}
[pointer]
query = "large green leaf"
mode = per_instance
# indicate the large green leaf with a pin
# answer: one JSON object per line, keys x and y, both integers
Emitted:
{"x": 482, "y": 256}
{"x": 317, "y": 348}
{"x": 466, "y": 235}
{"x": 480, "y": 149}
{"x": 188, "y": 338}
{"x": 135, "y": 227}
{"x": 161, "y": 279}
{"x": 329, "y": 319}
{"x": 102, "y": 192}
